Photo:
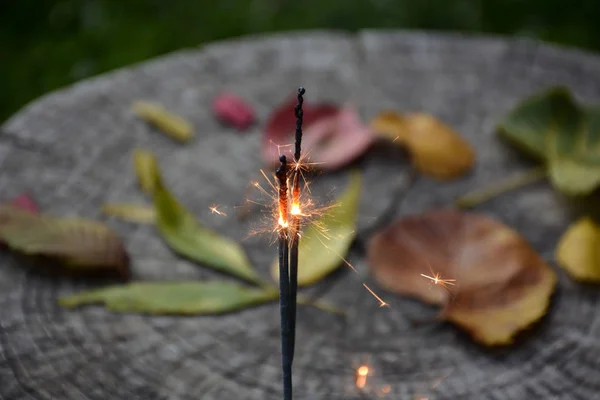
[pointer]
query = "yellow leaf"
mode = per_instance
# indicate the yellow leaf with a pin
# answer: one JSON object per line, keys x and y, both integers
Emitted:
{"x": 436, "y": 149}
{"x": 488, "y": 279}
{"x": 131, "y": 212}
{"x": 172, "y": 125}
{"x": 578, "y": 250}
{"x": 145, "y": 163}
{"x": 321, "y": 253}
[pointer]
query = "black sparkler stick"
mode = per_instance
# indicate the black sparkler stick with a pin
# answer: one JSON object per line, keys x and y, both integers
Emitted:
{"x": 295, "y": 221}
{"x": 284, "y": 281}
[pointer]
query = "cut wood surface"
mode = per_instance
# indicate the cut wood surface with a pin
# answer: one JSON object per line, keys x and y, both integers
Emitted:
{"x": 72, "y": 150}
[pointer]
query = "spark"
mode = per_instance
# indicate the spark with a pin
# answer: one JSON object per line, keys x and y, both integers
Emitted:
{"x": 302, "y": 205}
{"x": 353, "y": 268}
{"x": 215, "y": 210}
{"x": 381, "y": 302}
{"x": 396, "y": 138}
{"x": 437, "y": 280}
{"x": 362, "y": 373}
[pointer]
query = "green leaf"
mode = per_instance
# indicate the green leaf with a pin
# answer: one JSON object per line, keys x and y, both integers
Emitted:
{"x": 320, "y": 253}
{"x": 82, "y": 244}
{"x": 553, "y": 128}
{"x": 182, "y": 298}
{"x": 139, "y": 213}
{"x": 187, "y": 237}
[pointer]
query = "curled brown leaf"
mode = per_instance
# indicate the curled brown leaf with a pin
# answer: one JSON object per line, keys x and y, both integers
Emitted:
{"x": 488, "y": 279}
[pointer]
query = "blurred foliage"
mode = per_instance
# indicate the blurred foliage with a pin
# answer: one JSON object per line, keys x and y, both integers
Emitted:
{"x": 46, "y": 44}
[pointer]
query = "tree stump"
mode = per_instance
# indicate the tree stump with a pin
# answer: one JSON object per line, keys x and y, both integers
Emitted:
{"x": 72, "y": 151}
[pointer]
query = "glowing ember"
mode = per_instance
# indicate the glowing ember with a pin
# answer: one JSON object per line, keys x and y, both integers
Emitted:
{"x": 296, "y": 209}
{"x": 215, "y": 210}
{"x": 282, "y": 223}
{"x": 386, "y": 389}
{"x": 439, "y": 281}
{"x": 361, "y": 376}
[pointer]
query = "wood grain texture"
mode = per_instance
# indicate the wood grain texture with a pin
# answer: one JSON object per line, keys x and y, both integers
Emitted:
{"x": 72, "y": 151}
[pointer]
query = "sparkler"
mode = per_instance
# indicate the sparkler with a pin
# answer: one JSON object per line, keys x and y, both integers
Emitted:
{"x": 296, "y": 213}
{"x": 284, "y": 280}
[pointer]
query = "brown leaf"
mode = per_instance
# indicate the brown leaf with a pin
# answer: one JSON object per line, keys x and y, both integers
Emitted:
{"x": 437, "y": 150}
{"x": 81, "y": 244}
{"x": 488, "y": 278}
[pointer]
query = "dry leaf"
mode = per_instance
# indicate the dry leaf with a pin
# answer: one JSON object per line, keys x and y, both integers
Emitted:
{"x": 501, "y": 284}
{"x": 578, "y": 250}
{"x": 180, "y": 298}
{"x": 171, "y": 124}
{"x": 332, "y": 137}
{"x": 144, "y": 162}
{"x": 81, "y": 244}
{"x": 131, "y": 212}
{"x": 233, "y": 110}
{"x": 436, "y": 149}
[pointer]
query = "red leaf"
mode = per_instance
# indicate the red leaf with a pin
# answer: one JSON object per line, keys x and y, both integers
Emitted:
{"x": 233, "y": 110}
{"x": 25, "y": 202}
{"x": 333, "y": 137}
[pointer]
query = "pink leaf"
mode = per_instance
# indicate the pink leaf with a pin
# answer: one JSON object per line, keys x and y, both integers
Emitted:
{"x": 233, "y": 110}
{"x": 337, "y": 140}
{"x": 282, "y": 125}
{"x": 25, "y": 202}
{"x": 332, "y": 137}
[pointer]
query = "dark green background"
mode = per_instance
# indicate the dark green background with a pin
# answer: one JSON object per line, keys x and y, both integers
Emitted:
{"x": 47, "y": 44}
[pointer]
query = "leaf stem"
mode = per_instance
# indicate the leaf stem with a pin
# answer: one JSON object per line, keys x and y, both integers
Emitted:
{"x": 478, "y": 197}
